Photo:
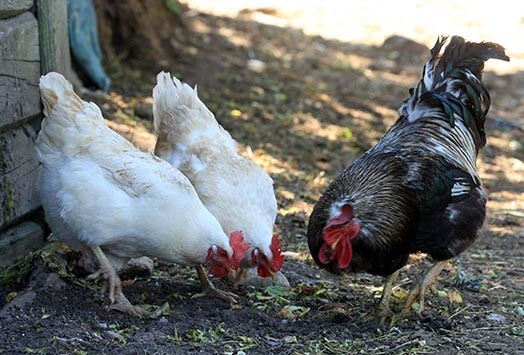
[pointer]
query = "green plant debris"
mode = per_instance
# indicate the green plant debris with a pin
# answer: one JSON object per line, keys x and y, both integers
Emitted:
{"x": 209, "y": 336}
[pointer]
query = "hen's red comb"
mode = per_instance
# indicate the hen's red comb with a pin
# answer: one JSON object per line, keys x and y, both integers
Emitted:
{"x": 276, "y": 249}
{"x": 236, "y": 240}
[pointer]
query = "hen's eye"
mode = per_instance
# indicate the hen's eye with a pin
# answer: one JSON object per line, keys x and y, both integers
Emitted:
{"x": 223, "y": 253}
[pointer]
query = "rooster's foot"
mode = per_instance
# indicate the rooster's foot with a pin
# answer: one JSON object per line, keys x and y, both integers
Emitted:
{"x": 417, "y": 293}
{"x": 382, "y": 310}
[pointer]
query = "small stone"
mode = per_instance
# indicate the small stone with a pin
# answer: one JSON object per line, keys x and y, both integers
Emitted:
{"x": 112, "y": 335}
{"x": 256, "y": 65}
{"x": 137, "y": 267}
{"x": 497, "y": 317}
{"x": 102, "y": 325}
{"x": 163, "y": 320}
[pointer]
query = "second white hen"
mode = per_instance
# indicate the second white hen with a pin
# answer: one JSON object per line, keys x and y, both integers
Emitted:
{"x": 101, "y": 193}
{"x": 236, "y": 191}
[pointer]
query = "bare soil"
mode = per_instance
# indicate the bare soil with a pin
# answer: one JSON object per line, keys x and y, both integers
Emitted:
{"x": 305, "y": 111}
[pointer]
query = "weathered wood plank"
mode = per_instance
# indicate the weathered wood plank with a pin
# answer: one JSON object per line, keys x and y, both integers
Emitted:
{"x": 18, "y": 173}
{"x": 9, "y": 8}
{"x": 19, "y": 69}
{"x": 18, "y": 241}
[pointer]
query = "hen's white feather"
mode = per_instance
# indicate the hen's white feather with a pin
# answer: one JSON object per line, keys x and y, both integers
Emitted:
{"x": 97, "y": 189}
{"x": 237, "y": 191}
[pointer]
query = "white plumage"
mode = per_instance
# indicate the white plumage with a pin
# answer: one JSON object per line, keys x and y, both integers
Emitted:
{"x": 100, "y": 192}
{"x": 236, "y": 191}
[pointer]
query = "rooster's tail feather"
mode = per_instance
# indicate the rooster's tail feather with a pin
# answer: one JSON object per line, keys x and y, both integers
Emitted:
{"x": 452, "y": 85}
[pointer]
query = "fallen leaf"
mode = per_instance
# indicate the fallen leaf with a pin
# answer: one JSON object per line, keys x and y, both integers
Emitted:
{"x": 293, "y": 312}
{"x": 236, "y": 113}
{"x": 442, "y": 294}
{"x": 400, "y": 293}
{"x": 454, "y": 297}
{"x": 10, "y": 296}
{"x": 128, "y": 282}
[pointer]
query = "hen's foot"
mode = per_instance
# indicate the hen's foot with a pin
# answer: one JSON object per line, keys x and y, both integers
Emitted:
{"x": 216, "y": 293}
{"x": 208, "y": 290}
{"x": 418, "y": 291}
{"x": 123, "y": 305}
{"x": 113, "y": 285}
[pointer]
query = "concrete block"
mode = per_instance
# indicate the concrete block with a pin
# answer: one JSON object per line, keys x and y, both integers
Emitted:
{"x": 18, "y": 241}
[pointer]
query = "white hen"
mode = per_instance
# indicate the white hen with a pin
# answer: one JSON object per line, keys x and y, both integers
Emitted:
{"x": 236, "y": 191}
{"x": 101, "y": 193}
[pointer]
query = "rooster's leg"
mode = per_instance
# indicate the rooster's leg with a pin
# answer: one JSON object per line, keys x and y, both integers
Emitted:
{"x": 113, "y": 285}
{"x": 382, "y": 311}
{"x": 209, "y": 290}
{"x": 419, "y": 289}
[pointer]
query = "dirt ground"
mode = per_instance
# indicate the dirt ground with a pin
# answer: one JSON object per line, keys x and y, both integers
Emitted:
{"x": 303, "y": 107}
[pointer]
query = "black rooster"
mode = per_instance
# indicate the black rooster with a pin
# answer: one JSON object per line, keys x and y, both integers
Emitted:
{"x": 418, "y": 189}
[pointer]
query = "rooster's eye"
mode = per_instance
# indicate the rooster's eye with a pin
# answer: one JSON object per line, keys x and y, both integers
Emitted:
{"x": 223, "y": 253}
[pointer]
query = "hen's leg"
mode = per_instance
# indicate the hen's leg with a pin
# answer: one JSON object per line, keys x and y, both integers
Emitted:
{"x": 209, "y": 290}
{"x": 419, "y": 289}
{"x": 382, "y": 310}
{"x": 241, "y": 276}
{"x": 113, "y": 284}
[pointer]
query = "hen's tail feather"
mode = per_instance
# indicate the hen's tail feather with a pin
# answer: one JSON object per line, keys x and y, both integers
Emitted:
{"x": 452, "y": 85}
{"x": 69, "y": 123}
{"x": 170, "y": 94}
{"x": 180, "y": 117}
{"x": 55, "y": 89}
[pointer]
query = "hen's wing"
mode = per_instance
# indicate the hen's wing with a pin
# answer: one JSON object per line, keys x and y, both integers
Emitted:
{"x": 236, "y": 191}
{"x": 91, "y": 173}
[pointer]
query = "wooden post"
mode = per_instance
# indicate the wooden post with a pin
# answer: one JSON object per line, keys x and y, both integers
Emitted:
{"x": 54, "y": 39}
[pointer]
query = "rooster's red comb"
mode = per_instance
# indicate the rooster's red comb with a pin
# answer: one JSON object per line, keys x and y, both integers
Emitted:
{"x": 236, "y": 240}
{"x": 278, "y": 258}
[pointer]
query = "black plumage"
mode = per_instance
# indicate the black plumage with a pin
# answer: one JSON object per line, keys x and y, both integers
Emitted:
{"x": 418, "y": 189}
